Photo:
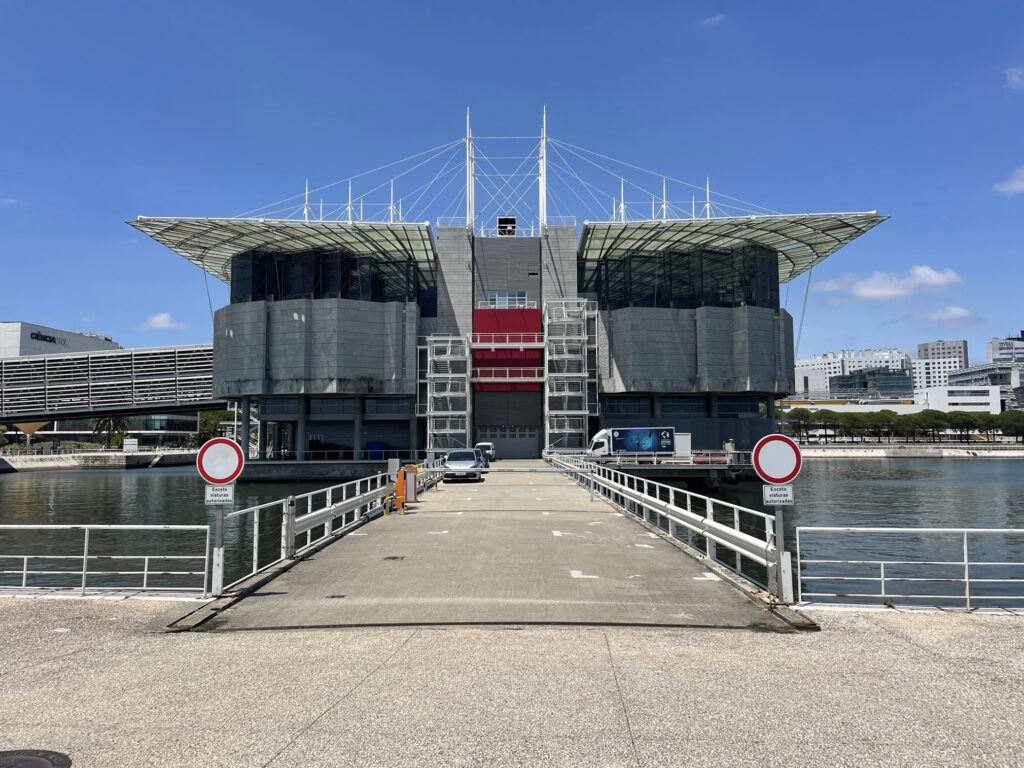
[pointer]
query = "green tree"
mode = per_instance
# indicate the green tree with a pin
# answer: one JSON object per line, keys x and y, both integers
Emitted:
{"x": 852, "y": 425}
{"x": 908, "y": 426}
{"x": 109, "y": 426}
{"x": 798, "y": 420}
{"x": 209, "y": 425}
{"x": 3, "y": 440}
{"x": 932, "y": 422}
{"x": 1012, "y": 425}
{"x": 987, "y": 423}
{"x": 887, "y": 421}
{"x": 827, "y": 420}
{"x": 963, "y": 422}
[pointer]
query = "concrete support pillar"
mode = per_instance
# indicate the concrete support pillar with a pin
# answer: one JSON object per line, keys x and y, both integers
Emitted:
{"x": 246, "y": 425}
{"x": 713, "y": 406}
{"x": 414, "y": 433}
{"x": 357, "y": 429}
{"x": 301, "y": 447}
{"x": 277, "y": 439}
{"x": 262, "y": 438}
{"x": 770, "y": 406}
{"x": 656, "y": 406}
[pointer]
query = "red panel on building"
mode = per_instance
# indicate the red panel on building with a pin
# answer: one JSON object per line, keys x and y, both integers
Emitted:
{"x": 500, "y": 326}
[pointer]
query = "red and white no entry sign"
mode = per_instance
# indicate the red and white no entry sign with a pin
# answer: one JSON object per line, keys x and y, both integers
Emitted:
{"x": 777, "y": 459}
{"x": 220, "y": 461}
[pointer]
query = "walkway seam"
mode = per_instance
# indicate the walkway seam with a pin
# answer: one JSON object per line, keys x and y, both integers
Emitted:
{"x": 622, "y": 699}
{"x": 344, "y": 696}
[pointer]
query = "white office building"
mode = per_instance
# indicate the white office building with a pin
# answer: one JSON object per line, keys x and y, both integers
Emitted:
{"x": 944, "y": 350}
{"x": 1008, "y": 350}
{"x": 19, "y": 339}
{"x": 813, "y": 373}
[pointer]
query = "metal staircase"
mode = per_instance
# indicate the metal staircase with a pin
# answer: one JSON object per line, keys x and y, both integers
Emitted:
{"x": 449, "y": 395}
{"x": 570, "y": 383}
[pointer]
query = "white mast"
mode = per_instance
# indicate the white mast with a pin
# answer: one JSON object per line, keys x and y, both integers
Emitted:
{"x": 707, "y": 198}
{"x": 664, "y": 199}
{"x": 350, "y": 201}
{"x": 305, "y": 203}
{"x": 622, "y": 199}
{"x": 470, "y": 202}
{"x": 542, "y": 185}
{"x": 391, "y": 205}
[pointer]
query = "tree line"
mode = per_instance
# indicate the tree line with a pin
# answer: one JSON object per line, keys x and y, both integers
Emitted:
{"x": 924, "y": 426}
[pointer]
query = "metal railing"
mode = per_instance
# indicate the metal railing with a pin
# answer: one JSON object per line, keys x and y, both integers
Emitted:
{"x": 701, "y": 522}
{"x": 88, "y": 558}
{"x": 308, "y": 519}
{"x": 508, "y": 374}
{"x": 506, "y": 303}
{"x": 889, "y": 571}
{"x": 507, "y": 339}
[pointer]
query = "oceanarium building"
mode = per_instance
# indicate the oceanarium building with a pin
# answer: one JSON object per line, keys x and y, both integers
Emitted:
{"x": 345, "y": 338}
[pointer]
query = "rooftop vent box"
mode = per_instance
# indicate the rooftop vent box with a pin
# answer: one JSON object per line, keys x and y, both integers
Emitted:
{"x": 507, "y": 226}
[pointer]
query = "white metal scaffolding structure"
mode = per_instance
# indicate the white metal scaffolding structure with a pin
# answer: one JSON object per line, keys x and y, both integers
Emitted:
{"x": 449, "y": 393}
{"x": 569, "y": 376}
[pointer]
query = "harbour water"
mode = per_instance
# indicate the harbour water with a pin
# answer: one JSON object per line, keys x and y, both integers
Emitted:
{"x": 919, "y": 493}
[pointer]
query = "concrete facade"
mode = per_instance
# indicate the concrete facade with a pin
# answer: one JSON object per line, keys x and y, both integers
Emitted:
{"x": 20, "y": 339}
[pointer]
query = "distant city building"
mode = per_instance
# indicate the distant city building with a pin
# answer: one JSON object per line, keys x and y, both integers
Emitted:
{"x": 161, "y": 429}
{"x": 20, "y": 339}
{"x": 874, "y": 383}
{"x": 944, "y": 350}
{"x": 844, "y": 363}
{"x": 973, "y": 399}
{"x": 934, "y": 372}
{"x": 1005, "y": 376}
{"x": 1008, "y": 350}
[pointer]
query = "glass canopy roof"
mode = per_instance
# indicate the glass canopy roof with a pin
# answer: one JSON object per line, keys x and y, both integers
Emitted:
{"x": 801, "y": 240}
{"x": 211, "y": 243}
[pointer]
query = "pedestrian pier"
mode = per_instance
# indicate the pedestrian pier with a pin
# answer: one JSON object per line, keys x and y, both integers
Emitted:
{"x": 529, "y": 545}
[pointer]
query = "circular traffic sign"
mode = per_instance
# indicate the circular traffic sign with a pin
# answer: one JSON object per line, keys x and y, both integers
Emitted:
{"x": 220, "y": 461}
{"x": 777, "y": 459}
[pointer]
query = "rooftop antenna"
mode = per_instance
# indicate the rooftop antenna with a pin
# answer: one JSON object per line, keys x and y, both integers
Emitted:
{"x": 622, "y": 201}
{"x": 652, "y": 208}
{"x": 707, "y": 197}
{"x": 693, "y": 206}
{"x": 305, "y": 203}
{"x": 664, "y": 199}
{"x": 542, "y": 184}
{"x": 349, "y": 209}
{"x": 391, "y": 205}
{"x": 470, "y": 177}
{"x": 321, "y": 209}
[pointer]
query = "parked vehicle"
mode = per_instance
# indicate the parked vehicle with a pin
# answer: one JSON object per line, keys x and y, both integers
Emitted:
{"x": 609, "y": 442}
{"x": 489, "y": 450}
{"x": 463, "y": 464}
{"x": 483, "y": 457}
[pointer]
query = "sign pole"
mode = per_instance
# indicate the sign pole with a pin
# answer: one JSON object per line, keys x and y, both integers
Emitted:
{"x": 777, "y": 461}
{"x": 218, "y": 551}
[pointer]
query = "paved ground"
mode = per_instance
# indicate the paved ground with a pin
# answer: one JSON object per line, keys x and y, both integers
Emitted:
{"x": 97, "y": 680}
{"x": 516, "y": 548}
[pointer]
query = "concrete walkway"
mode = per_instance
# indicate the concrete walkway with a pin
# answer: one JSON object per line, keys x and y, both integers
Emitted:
{"x": 100, "y": 681}
{"x": 518, "y": 548}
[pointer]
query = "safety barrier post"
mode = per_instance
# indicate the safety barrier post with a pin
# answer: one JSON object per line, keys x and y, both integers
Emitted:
{"x": 288, "y": 528}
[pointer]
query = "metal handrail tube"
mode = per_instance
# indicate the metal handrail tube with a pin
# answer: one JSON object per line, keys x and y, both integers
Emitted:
{"x": 883, "y": 579}
{"x": 85, "y": 558}
{"x": 638, "y": 490}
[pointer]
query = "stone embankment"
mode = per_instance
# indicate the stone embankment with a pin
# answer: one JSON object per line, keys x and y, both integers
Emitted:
{"x": 142, "y": 460}
{"x": 911, "y": 451}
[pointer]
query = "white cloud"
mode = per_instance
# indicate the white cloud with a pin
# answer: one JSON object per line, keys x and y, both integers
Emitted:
{"x": 1012, "y": 185}
{"x": 885, "y": 286}
{"x": 711, "y": 21}
{"x": 88, "y": 319}
{"x": 1014, "y": 78}
{"x": 949, "y": 317}
{"x": 11, "y": 201}
{"x": 161, "y": 320}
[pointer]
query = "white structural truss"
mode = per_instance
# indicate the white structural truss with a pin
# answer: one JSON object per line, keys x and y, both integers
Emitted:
{"x": 570, "y": 372}
{"x": 449, "y": 393}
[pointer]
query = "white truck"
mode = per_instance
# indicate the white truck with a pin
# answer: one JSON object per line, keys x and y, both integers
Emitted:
{"x": 640, "y": 440}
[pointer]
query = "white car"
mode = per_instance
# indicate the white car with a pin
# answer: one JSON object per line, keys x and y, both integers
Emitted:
{"x": 463, "y": 464}
{"x": 489, "y": 452}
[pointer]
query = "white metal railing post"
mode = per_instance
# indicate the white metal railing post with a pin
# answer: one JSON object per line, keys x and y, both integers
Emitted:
{"x": 799, "y": 570}
{"x": 85, "y": 560}
{"x": 785, "y": 577}
{"x": 881, "y": 578}
{"x": 256, "y": 540}
{"x": 145, "y": 572}
{"x": 288, "y": 528}
{"x": 24, "y": 572}
{"x": 218, "y": 552}
{"x": 712, "y": 549}
{"x": 967, "y": 574}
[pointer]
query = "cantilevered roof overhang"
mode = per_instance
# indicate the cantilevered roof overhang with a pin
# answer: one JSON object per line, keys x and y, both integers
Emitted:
{"x": 211, "y": 243}
{"x": 801, "y": 240}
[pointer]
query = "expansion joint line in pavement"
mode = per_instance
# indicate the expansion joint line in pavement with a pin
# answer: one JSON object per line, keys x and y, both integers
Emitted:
{"x": 622, "y": 699}
{"x": 344, "y": 696}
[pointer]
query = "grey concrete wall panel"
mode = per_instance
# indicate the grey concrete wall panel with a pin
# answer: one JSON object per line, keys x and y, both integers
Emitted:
{"x": 497, "y": 409}
{"x": 558, "y": 263}
{"x": 315, "y": 346}
{"x": 454, "y": 281}
{"x": 506, "y": 264}
{"x": 395, "y": 434}
{"x": 709, "y": 349}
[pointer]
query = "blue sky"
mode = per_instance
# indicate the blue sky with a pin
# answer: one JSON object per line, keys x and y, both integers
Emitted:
{"x": 916, "y": 109}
